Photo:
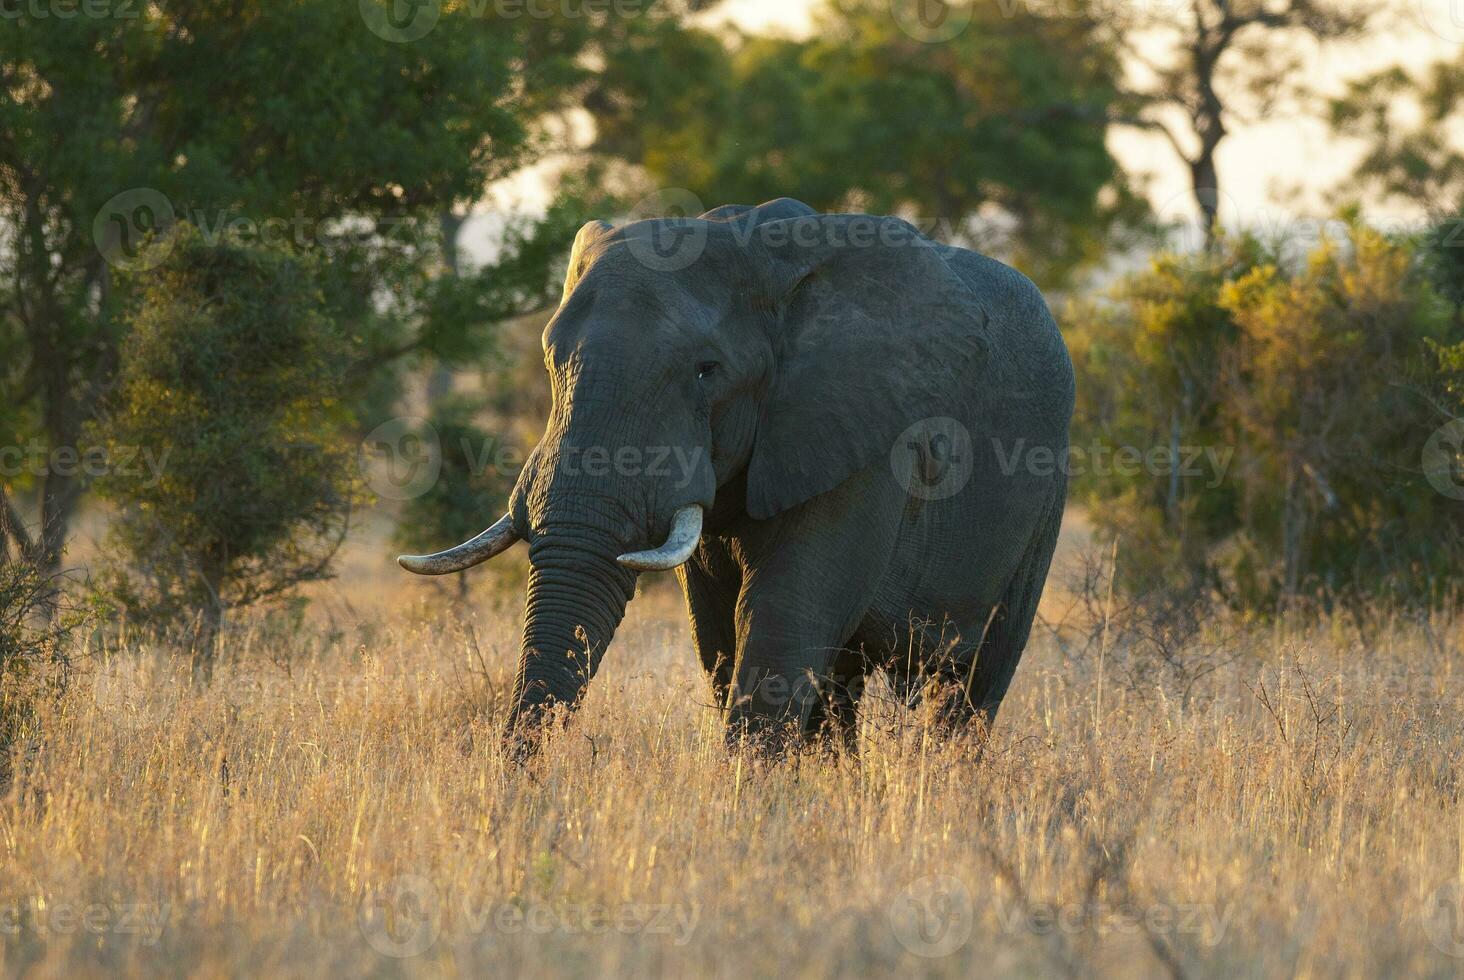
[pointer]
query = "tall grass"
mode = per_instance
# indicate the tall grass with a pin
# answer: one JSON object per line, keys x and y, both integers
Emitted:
{"x": 336, "y": 802}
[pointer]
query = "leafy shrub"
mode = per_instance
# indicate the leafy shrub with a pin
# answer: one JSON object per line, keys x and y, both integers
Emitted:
{"x": 233, "y": 377}
{"x": 38, "y": 623}
{"x": 1311, "y": 390}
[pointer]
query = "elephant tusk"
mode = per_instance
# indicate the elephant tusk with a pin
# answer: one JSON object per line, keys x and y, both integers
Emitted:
{"x": 491, "y": 542}
{"x": 680, "y": 543}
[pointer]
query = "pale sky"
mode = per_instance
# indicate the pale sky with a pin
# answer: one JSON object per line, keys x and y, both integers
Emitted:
{"x": 1271, "y": 173}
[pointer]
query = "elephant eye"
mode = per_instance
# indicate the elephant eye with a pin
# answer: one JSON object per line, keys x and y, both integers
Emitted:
{"x": 706, "y": 369}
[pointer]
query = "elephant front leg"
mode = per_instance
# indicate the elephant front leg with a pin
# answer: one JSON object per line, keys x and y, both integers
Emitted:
{"x": 710, "y": 582}
{"x": 812, "y": 576}
{"x": 777, "y": 688}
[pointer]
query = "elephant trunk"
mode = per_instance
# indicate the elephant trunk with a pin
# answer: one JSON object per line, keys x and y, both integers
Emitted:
{"x": 576, "y": 598}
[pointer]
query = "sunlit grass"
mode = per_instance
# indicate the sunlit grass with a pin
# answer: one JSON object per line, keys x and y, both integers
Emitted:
{"x": 337, "y": 798}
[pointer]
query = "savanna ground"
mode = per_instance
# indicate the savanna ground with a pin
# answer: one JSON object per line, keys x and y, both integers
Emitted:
{"x": 1291, "y": 808}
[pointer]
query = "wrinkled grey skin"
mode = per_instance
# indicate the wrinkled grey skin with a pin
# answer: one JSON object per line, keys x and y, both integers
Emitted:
{"x": 817, "y": 563}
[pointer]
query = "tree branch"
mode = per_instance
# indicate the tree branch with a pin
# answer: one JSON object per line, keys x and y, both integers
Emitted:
{"x": 13, "y": 528}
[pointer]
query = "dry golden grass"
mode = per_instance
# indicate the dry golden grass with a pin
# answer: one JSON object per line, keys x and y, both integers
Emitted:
{"x": 316, "y": 811}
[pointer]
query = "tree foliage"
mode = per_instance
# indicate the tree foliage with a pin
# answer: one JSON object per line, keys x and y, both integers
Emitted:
{"x": 1413, "y": 159}
{"x": 1219, "y": 62}
{"x": 289, "y": 118}
{"x": 1318, "y": 389}
{"x": 232, "y": 371}
{"x": 994, "y": 136}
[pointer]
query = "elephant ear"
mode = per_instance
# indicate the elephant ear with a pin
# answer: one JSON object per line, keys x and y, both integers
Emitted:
{"x": 582, "y": 252}
{"x": 876, "y": 332}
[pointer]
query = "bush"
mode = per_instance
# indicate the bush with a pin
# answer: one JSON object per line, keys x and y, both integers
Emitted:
{"x": 233, "y": 377}
{"x": 37, "y": 625}
{"x": 1310, "y": 392}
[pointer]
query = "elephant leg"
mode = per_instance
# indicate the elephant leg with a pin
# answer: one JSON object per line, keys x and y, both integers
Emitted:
{"x": 812, "y": 576}
{"x": 1011, "y": 625}
{"x": 835, "y": 715}
{"x": 711, "y": 581}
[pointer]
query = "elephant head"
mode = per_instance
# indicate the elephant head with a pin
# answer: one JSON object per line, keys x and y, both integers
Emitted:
{"x": 748, "y": 348}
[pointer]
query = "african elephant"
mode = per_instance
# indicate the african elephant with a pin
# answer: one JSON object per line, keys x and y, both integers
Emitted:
{"x": 862, "y": 436}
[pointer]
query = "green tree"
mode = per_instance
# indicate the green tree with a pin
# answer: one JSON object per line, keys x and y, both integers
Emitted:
{"x": 292, "y": 119}
{"x": 995, "y": 136}
{"x": 1331, "y": 382}
{"x": 231, "y": 370}
{"x": 1218, "y": 62}
{"x": 1149, "y": 363}
{"x": 1406, "y": 122}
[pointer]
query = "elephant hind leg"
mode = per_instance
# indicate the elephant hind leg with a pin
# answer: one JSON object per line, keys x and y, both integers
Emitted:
{"x": 835, "y": 716}
{"x": 1010, "y": 626}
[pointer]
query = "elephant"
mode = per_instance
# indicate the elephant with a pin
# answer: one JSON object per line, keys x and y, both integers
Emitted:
{"x": 861, "y": 436}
